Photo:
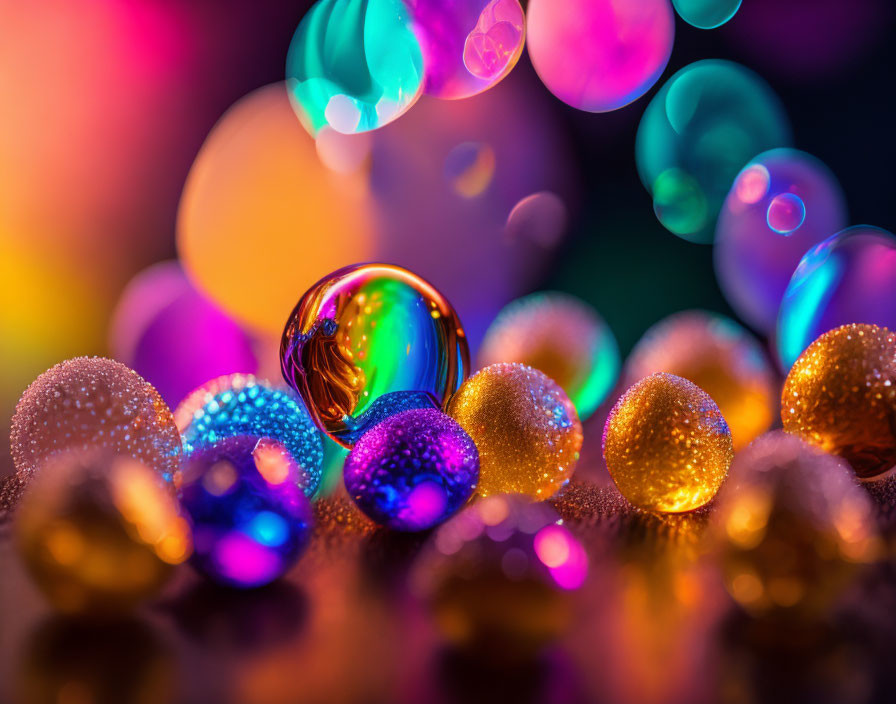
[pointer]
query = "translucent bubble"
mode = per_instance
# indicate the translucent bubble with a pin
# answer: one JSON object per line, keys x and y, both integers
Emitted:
{"x": 848, "y": 278}
{"x": 540, "y": 218}
{"x": 354, "y": 65}
{"x": 468, "y": 45}
{"x": 599, "y": 55}
{"x": 781, "y": 204}
{"x": 697, "y": 133}
{"x": 706, "y": 14}
{"x": 561, "y": 336}
{"x": 370, "y": 340}
{"x": 470, "y": 168}
{"x": 342, "y": 153}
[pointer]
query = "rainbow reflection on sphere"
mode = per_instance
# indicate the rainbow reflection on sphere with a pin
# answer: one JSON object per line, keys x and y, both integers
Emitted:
{"x": 413, "y": 470}
{"x": 561, "y": 336}
{"x": 848, "y": 278}
{"x": 599, "y": 55}
{"x": 368, "y": 341}
{"x": 782, "y": 203}
{"x": 250, "y": 519}
{"x": 696, "y": 134}
{"x": 240, "y": 404}
{"x": 706, "y": 14}
{"x": 354, "y": 65}
{"x": 468, "y": 45}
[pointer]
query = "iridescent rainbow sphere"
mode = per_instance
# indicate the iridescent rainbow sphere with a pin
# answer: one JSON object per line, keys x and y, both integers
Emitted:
{"x": 720, "y": 357}
{"x": 368, "y": 341}
{"x": 561, "y": 336}
{"x": 468, "y": 45}
{"x": 250, "y": 519}
{"x": 702, "y": 127}
{"x": 354, "y": 65}
{"x": 240, "y": 404}
{"x": 599, "y": 55}
{"x": 781, "y": 204}
{"x": 848, "y": 278}
{"x": 413, "y": 470}
{"x": 706, "y": 14}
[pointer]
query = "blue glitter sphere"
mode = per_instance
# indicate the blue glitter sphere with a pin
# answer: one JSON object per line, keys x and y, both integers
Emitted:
{"x": 413, "y": 470}
{"x": 250, "y": 519}
{"x": 240, "y": 404}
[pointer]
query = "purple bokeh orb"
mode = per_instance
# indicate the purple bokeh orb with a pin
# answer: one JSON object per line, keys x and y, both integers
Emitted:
{"x": 413, "y": 470}
{"x": 250, "y": 519}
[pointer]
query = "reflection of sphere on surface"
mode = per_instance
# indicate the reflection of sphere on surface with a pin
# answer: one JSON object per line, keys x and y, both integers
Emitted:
{"x": 525, "y": 428}
{"x": 413, "y": 470}
{"x": 354, "y": 65}
{"x": 561, "y": 336}
{"x": 240, "y": 404}
{"x": 495, "y": 576}
{"x": 697, "y": 133}
{"x": 91, "y": 402}
{"x": 782, "y": 203}
{"x": 841, "y": 395}
{"x": 720, "y": 357}
{"x": 666, "y": 445}
{"x": 365, "y": 335}
{"x": 706, "y": 14}
{"x": 598, "y": 55}
{"x": 261, "y": 217}
{"x": 468, "y": 45}
{"x": 848, "y": 278}
{"x": 793, "y": 524}
{"x": 99, "y": 532}
{"x": 174, "y": 337}
{"x": 250, "y": 519}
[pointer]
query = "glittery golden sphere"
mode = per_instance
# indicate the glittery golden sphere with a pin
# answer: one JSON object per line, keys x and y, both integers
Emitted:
{"x": 99, "y": 532}
{"x": 525, "y": 428}
{"x": 666, "y": 445}
{"x": 841, "y": 395}
{"x": 792, "y": 525}
{"x": 91, "y": 402}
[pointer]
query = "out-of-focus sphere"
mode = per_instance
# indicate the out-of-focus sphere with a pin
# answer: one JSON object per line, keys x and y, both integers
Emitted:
{"x": 261, "y": 216}
{"x": 413, "y": 470}
{"x": 697, "y": 133}
{"x": 240, "y": 404}
{"x": 99, "y": 532}
{"x": 525, "y": 427}
{"x": 781, "y": 204}
{"x": 540, "y": 218}
{"x": 848, "y": 278}
{"x": 468, "y": 45}
{"x": 250, "y": 520}
{"x": 561, "y": 336}
{"x": 720, "y": 357}
{"x": 706, "y": 14}
{"x": 666, "y": 445}
{"x": 497, "y": 576}
{"x": 371, "y": 338}
{"x": 841, "y": 395}
{"x": 94, "y": 403}
{"x": 792, "y": 527}
{"x": 354, "y": 65}
{"x": 599, "y": 55}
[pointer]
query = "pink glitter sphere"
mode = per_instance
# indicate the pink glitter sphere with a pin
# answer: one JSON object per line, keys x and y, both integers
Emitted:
{"x": 599, "y": 55}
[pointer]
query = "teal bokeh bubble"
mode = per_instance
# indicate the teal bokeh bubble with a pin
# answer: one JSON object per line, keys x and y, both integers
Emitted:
{"x": 699, "y": 130}
{"x": 354, "y": 65}
{"x": 706, "y": 14}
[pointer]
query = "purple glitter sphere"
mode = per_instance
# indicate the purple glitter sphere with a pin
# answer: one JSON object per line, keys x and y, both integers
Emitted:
{"x": 250, "y": 519}
{"x": 413, "y": 470}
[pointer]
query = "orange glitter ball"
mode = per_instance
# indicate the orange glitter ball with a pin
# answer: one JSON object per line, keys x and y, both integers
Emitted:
{"x": 841, "y": 396}
{"x": 666, "y": 445}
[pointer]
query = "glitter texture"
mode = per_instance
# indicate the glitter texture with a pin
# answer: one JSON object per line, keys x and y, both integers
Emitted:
{"x": 413, "y": 470}
{"x": 250, "y": 519}
{"x": 841, "y": 395}
{"x": 666, "y": 445}
{"x": 91, "y": 402}
{"x": 240, "y": 404}
{"x": 99, "y": 532}
{"x": 526, "y": 429}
